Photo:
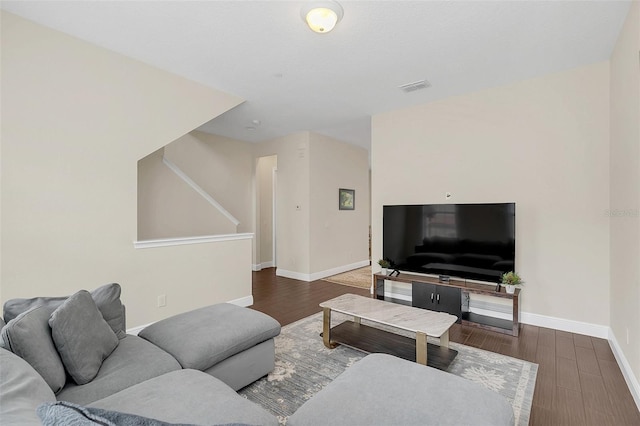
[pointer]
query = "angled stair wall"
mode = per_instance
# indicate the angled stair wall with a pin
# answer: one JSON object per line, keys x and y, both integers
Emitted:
{"x": 76, "y": 118}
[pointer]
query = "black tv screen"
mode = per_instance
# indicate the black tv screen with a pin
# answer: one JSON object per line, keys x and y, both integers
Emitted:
{"x": 475, "y": 241}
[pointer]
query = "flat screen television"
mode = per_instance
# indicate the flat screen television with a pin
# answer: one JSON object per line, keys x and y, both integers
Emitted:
{"x": 474, "y": 241}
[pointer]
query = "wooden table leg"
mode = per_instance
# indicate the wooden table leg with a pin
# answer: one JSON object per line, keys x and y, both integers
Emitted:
{"x": 444, "y": 339}
{"x": 421, "y": 348}
{"x": 326, "y": 328}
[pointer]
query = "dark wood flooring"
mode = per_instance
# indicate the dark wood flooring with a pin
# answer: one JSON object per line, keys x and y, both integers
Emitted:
{"x": 578, "y": 383}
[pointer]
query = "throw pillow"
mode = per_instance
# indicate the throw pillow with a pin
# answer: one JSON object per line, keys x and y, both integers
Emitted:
{"x": 107, "y": 298}
{"x": 82, "y": 336}
{"x": 29, "y": 336}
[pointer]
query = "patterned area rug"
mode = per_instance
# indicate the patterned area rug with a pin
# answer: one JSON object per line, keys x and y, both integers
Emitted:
{"x": 360, "y": 278}
{"x": 304, "y": 366}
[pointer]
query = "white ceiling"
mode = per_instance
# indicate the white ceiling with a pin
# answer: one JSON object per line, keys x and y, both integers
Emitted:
{"x": 295, "y": 80}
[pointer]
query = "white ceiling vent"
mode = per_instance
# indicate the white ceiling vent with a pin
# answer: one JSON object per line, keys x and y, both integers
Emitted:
{"x": 416, "y": 85}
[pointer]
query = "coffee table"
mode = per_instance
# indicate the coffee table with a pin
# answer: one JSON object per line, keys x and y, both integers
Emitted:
{"x": 415, "y": 320}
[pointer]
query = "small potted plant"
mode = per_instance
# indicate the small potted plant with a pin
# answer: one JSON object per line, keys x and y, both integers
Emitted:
{"x": 510, "y": 280}
{"x": 384, "y": 264}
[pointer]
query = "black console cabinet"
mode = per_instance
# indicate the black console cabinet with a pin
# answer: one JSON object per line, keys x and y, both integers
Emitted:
{"x": 437, "y": 298}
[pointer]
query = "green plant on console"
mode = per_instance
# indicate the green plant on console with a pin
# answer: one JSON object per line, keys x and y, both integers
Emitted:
{"x": 511, "y": 278}
{"x": 384, "y": 263}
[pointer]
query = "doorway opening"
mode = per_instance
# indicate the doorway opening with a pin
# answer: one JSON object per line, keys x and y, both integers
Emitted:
{"x": 266, "y": 211}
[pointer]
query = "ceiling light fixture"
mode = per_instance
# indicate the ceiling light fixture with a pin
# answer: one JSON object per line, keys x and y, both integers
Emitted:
{"x": 321, "y": 16}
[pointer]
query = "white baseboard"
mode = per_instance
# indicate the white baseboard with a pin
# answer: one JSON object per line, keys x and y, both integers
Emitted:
{"x": 338, "y": 270}
{"x": 578, "y": 327}
{"x": 322, "y": 274}
{"x": 627, "y": 372}
{"x": 243, "y": 301}
{"x": 136, "y": 330}
{"x": 260, "y": 266}
{"x": 292, "y": 274}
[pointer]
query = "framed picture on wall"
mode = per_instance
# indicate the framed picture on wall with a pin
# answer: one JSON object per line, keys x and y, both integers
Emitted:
{"x": 346, "y": 199}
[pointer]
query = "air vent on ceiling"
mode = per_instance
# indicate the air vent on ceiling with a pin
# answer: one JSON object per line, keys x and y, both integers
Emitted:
{"x": 416, "y": 85}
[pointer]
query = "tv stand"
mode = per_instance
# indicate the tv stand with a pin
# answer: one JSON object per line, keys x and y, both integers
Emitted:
{"x": 452, "y": 306}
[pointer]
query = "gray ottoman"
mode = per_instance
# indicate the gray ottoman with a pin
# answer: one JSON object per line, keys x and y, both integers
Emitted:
{"x": 385, "y": 390}
{"x": 232, "y": 343}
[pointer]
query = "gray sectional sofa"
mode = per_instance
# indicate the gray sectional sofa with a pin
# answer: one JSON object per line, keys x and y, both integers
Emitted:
{"x": 183, "y": 369}
{"x": 69, "y": 361}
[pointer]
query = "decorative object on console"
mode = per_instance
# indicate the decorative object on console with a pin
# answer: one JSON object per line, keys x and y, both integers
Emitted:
{"x": 346, "y": 199}
{"x": 510, "y": 280}
{"x": 384, "y": 264}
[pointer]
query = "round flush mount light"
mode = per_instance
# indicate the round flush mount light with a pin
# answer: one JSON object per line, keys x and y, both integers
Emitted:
{"x": 321, "y": 16}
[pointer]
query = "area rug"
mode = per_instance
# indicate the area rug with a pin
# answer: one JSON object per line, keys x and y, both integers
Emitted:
{"x": 360, "y": 278}
{"x": 304, "y": 366}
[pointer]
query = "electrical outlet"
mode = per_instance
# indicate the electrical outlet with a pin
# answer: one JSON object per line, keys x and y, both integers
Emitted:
{"x": 162, "y": 300}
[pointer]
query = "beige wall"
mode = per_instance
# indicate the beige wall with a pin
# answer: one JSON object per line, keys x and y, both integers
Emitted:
{"x": 75, "y": 121}
{"x": 625, "y": 190}
{"x": 543, "y": 143}
{"x": 221, "y": 166}
{"x": 264, "y": 225}
{"x": 293, "y": 190}
{"x": 169, "y": 208}
{"x": 338, "y": 237}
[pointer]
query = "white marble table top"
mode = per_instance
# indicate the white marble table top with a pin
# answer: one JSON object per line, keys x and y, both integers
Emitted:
{"x": 431, "y": 323}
